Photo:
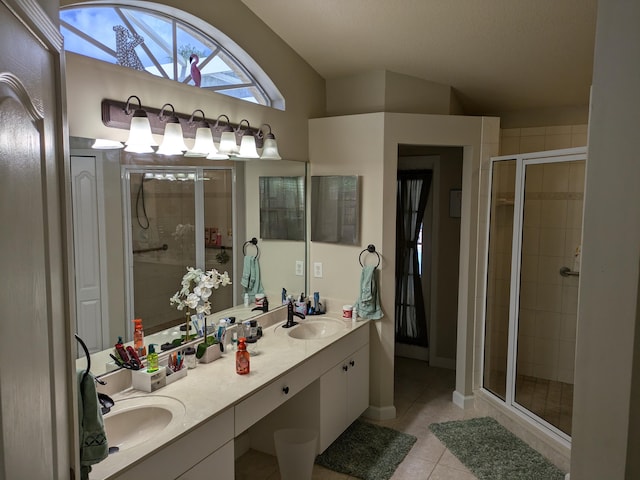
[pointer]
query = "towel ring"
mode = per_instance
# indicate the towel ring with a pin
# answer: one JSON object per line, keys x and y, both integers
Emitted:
{"x": 371, "y": 248}
{"x": 254, "y": 242}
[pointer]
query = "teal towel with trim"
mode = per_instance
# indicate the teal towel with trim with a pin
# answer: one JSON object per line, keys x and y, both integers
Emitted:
{"x": 251, "y": 277}
{"x": 368, "y": 303}
{"x": 92, "y": 436}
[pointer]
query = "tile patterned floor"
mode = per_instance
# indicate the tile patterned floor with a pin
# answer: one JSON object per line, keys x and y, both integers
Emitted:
{"x": 422, "y": 396}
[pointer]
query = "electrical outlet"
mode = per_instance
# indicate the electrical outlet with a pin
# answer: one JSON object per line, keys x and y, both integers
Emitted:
{"x": 299, "y": 268}
{"x": 317, "y": 269}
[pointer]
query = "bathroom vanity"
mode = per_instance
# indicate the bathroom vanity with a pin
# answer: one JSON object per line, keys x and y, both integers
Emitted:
{"x": 319, "y": 380}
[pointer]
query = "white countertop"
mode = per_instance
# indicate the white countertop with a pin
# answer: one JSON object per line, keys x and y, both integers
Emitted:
{"x": 212, "y": 388}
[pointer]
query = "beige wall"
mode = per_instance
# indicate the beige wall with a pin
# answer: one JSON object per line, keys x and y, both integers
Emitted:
{"x": 385, "y": 91}
{"x": 367, "y": 145}
{"x": 606, "y": 432}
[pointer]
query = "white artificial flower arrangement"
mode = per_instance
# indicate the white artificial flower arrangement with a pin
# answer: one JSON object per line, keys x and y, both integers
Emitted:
{"x": 202, "y": 283}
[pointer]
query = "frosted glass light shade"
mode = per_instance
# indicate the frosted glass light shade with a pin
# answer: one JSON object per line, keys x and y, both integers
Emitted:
{"x": 248, "y": 147}
{"x": 228, "y": 144}
{"x": 173, "y": 142}
{"x": 270, "y": 150}
{"x": 104, "y": 144}
{"x": 216, "y": 155}
{"x": 203, "y": 144}
{"x": 140, "y": 139}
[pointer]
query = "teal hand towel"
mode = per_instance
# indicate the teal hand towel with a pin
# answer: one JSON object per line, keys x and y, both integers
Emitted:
{"x": 368, "y": 303}
{"x": 92, "y": 436}
{"x": 251, "y": 277}
{"x": 246, "y": 272}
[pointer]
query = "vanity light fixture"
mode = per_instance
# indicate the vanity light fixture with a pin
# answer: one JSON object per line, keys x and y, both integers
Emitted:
{"x": 269, "y": 145}
{"x": 248, "y": 142}
{"x": 228, "y": 145}
{"x": 203, "y": 144}
{"x": 140, "y": 139}
{"x": 173, "y": 141}
{"x": 104, "y": 144}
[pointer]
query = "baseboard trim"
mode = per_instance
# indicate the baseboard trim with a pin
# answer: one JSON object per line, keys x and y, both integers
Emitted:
{"x": 442, "y": 362}
{"x": 463, "y": 401}
{"x": 380, "y": 413}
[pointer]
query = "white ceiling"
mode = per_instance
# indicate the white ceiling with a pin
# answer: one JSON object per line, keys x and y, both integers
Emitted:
{"x": 498, "y": 55}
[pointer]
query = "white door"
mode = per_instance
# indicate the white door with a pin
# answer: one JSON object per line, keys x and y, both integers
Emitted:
{"x": 88, "y": 212}
{"x": 35, "y": 338}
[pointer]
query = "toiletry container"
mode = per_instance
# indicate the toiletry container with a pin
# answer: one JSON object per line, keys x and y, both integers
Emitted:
{"x": 190, "y": 357}
{"x": 246, "y": 299}
{"x": 242, "y": 358}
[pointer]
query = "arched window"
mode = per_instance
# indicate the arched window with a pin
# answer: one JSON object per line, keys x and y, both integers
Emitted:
{"x": 166, "y": 42}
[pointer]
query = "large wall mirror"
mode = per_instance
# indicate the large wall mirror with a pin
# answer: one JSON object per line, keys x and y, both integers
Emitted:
{"x": 137, "y": 225}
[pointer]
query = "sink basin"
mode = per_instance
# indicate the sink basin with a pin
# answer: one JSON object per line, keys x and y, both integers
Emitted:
{"x": 135, "y": 420}
{"x": 316, "y": 328}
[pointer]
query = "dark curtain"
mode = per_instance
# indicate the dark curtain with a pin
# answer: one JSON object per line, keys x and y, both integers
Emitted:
{"x": 413, "y": 191}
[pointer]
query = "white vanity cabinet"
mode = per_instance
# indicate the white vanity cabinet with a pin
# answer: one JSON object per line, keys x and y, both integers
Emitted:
{"x": 219, "y": 465}
{"x": 344, "y": 395}
{"x": 208, "y": 448}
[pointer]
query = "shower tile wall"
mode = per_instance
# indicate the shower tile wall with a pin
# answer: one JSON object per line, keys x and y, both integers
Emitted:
{"x": 539, "y": 139}
{"x": 548, "y": 302}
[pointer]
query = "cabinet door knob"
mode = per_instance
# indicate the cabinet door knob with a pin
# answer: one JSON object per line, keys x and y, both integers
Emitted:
{"x": 345, "y": 368}
{"x": 352, "y": 363}
{"x": 285, "y": 390}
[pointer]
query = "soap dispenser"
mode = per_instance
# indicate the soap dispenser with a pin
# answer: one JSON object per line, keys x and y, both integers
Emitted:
{"x": 152, "y": 359}
{"x": 242, "y": 358}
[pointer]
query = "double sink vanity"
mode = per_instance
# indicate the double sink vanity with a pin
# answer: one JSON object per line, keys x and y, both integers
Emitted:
{"x": 314, "y": 375}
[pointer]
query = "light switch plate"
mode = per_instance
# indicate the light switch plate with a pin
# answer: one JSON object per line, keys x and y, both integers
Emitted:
{"x": 299, "y": 268}
{"x": 317, "y": 269}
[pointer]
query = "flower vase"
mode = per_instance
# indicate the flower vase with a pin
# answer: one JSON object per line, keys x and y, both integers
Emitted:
{"x": 211, "y": 353}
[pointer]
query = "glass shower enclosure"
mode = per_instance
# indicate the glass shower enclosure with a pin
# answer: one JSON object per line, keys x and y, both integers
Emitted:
{"x": 533, "y": 265}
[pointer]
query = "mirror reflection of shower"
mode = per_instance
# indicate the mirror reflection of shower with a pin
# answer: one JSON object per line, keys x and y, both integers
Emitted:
{"x": 178, "y": 218}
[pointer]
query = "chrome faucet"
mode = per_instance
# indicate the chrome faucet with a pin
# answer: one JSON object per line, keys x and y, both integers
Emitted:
{"x": 290, "y": 314}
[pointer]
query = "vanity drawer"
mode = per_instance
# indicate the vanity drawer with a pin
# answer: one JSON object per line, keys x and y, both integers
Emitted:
{"x": 264, "y": 401}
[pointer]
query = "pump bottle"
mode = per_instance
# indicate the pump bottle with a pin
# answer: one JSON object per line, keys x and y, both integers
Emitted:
{"x": 242, "y": 358}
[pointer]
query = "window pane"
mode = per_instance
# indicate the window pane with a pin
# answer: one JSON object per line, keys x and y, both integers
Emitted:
{"x": 144, "y": 40}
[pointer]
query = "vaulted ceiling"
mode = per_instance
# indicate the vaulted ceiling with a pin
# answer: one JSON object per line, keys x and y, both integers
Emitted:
{"x": 498, "y": 55}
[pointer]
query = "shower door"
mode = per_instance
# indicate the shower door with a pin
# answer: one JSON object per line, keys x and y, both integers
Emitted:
{"x": 532, "y": 284}
{"x": 176, "y": 217}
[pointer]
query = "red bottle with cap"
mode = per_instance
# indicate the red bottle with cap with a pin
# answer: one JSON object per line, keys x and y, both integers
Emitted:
{"x": 242, "y": 357}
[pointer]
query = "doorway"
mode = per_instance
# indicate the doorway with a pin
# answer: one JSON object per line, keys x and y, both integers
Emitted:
{"x": 438, "y": 252}
{"x": 533, "y": 269}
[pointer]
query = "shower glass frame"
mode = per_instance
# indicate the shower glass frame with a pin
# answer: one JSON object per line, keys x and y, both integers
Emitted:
{"x": 522, "y": 161}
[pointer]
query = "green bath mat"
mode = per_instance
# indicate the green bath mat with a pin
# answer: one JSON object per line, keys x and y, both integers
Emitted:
{"x": 492, "y": 452}
{"x": 367, "y": 451}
